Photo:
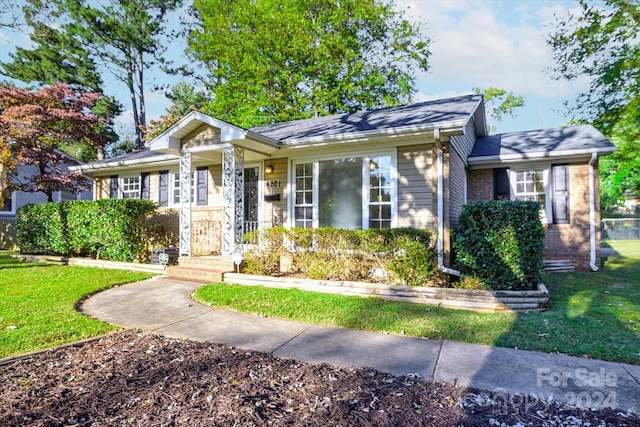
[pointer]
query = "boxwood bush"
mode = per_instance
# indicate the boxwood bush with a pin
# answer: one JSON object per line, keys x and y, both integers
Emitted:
{"x": 109, "y": 229}
{"x": 500, "y": 243}
{"x": 402, "y": 255}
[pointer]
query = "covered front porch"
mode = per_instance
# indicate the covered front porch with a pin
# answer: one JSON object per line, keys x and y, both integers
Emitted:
{"x": 213, "y": 222}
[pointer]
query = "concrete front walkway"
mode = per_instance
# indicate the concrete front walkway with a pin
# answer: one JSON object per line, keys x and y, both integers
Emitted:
{"x": 165, "y": 307}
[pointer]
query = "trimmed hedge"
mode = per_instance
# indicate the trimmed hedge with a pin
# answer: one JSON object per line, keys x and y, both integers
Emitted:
{"x": 404, "y": 254}
{"x": 110, "y": 229}
{"x": 500, "y": 243}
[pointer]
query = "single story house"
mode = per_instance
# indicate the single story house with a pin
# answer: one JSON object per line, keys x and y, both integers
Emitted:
{"x": 409, "y": 166}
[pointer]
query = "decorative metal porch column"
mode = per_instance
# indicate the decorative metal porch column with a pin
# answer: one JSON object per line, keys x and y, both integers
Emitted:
{"x": 185, "y": 204}
{"x": 233, "y": 195}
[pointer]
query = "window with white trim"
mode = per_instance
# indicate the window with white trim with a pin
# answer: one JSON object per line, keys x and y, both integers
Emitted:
{"x": 176, "y": 188}
{"x": 303, "y": 206}
{"x": 345, "y": 192}
{"x": 380, "y": 192}
{"x": 131, "y": 187}
{"x": 530, "y": 186}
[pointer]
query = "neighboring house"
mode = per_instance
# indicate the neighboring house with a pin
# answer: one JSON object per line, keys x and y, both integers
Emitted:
{"x": 14, "y": 200}
{"x": 407, "y": 166}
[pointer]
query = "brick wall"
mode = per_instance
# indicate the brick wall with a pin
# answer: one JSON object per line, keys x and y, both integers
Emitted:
{"x": 572, "y": 241}
{"x": 480, "y": 184}
{"x": 562, "y": 241}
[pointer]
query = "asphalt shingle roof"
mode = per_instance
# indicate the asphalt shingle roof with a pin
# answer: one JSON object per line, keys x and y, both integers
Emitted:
{"x": 571, "y": 138}
{"x": 136, "y": 155}
{"x": 418, "y": 114}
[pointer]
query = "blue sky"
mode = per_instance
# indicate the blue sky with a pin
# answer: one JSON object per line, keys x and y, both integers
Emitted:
{"x": 474, "y": 43}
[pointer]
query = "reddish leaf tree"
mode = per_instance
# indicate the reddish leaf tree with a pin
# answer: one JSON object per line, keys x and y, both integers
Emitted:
{"x": 36, "y": 126}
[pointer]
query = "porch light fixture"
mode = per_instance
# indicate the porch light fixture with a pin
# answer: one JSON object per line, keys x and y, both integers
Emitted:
{"x": 268, "y": 169}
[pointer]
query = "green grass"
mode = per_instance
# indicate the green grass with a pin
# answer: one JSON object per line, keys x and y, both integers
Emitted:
{"x": 594, "y": 315}
{"x": 37, "y": 303}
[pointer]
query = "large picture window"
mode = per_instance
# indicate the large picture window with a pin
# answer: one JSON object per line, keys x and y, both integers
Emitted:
{"x": 346, "y": 193}
{"x": 339, "y": 193}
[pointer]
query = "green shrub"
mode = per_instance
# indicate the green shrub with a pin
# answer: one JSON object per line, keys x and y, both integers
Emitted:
{"x": 41, "y": 229}
{"x": 404, "y": 254}
{"x": 265, "y": 260}
{"x": 109, "y": 229}
{"x": 500, "y": 243}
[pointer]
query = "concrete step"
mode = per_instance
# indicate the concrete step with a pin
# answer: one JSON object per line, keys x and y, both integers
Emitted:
{"x": 214, "y": 262}
{"x": 558, "y": 266}
{"x": 198, "y": 274}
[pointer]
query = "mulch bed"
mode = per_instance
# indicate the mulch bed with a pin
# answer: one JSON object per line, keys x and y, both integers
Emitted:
{"x": 141, "y": 379}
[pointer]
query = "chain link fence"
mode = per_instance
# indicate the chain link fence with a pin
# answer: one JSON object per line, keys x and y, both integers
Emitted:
{"x": 621, "y": 228}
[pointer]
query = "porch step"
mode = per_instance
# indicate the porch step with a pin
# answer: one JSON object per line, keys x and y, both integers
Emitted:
{"x": 207, "y": 269}
{"x": 211, "y": 262}
{"x": 204, "y": 275}
{"x": 558, "y": 266}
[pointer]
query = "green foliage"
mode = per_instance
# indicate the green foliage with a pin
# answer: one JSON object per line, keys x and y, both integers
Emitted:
{"x": 121, "y": 38}
{"x": 110, "y": 229}
{"x": 272, "y": 61}
{"x": 405, "y": 254}
{"x": 500, "y": 242}
{"x": 500, "y": 103}
{"x": 600, "y": 43}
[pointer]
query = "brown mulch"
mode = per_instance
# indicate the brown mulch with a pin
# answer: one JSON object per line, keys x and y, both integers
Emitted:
{"x": 140, "y": 379}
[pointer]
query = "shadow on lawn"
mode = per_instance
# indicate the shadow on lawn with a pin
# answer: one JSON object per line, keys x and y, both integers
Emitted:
{"x": 593, "y": 315}
{"x": 9, "y": 262}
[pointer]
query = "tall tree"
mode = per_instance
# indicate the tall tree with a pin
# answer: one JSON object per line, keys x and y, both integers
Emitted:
{"x": 500, "y": 102}
{"x": 57, "y": 57}
{"x": 601, "y": 42}
{"x": 271, "y": 60}
{"x": 35, "y": 126}
{"x": 124, "y": 37}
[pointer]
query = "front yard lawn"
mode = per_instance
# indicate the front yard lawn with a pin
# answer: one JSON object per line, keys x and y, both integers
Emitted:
{"x": 37, "y": 303}
{"x": 594, "y": 315}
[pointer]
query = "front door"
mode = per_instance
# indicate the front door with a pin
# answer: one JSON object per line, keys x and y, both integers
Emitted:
{"x": 251, "y": 198}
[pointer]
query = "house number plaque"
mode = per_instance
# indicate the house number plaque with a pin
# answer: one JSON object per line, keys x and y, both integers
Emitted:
{"x": 273, "y": 184}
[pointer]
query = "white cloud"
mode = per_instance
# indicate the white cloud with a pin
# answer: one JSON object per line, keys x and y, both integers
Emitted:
{"x": 484, "y": 44}
{"x": 422, "y": 97}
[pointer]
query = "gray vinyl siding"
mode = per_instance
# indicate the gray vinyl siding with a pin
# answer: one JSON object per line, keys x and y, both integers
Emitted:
{"x": 457, "y": 178}
{"x": 464, "y": 144}
{"x": 415, "y": 187}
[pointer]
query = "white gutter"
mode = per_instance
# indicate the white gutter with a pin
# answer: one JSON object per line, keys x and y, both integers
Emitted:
{"x": 536, "y": 156}
{"x": 440, "y": 192}
{"x": 592, "y": 211}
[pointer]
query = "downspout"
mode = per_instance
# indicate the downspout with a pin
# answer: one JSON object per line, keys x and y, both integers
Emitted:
{"x": 440, "y": 213}
{"x": 592, "y": 211}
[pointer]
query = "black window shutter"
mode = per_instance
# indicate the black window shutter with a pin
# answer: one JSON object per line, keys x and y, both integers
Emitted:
{"x": 163, "y": 186}
{"x": 145, "y": 179}
{"x": 560, "y": 193}
{"x": 113, "y": 187}
{"x": 501, "y": 186}
{"x": 201, "y": 199}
